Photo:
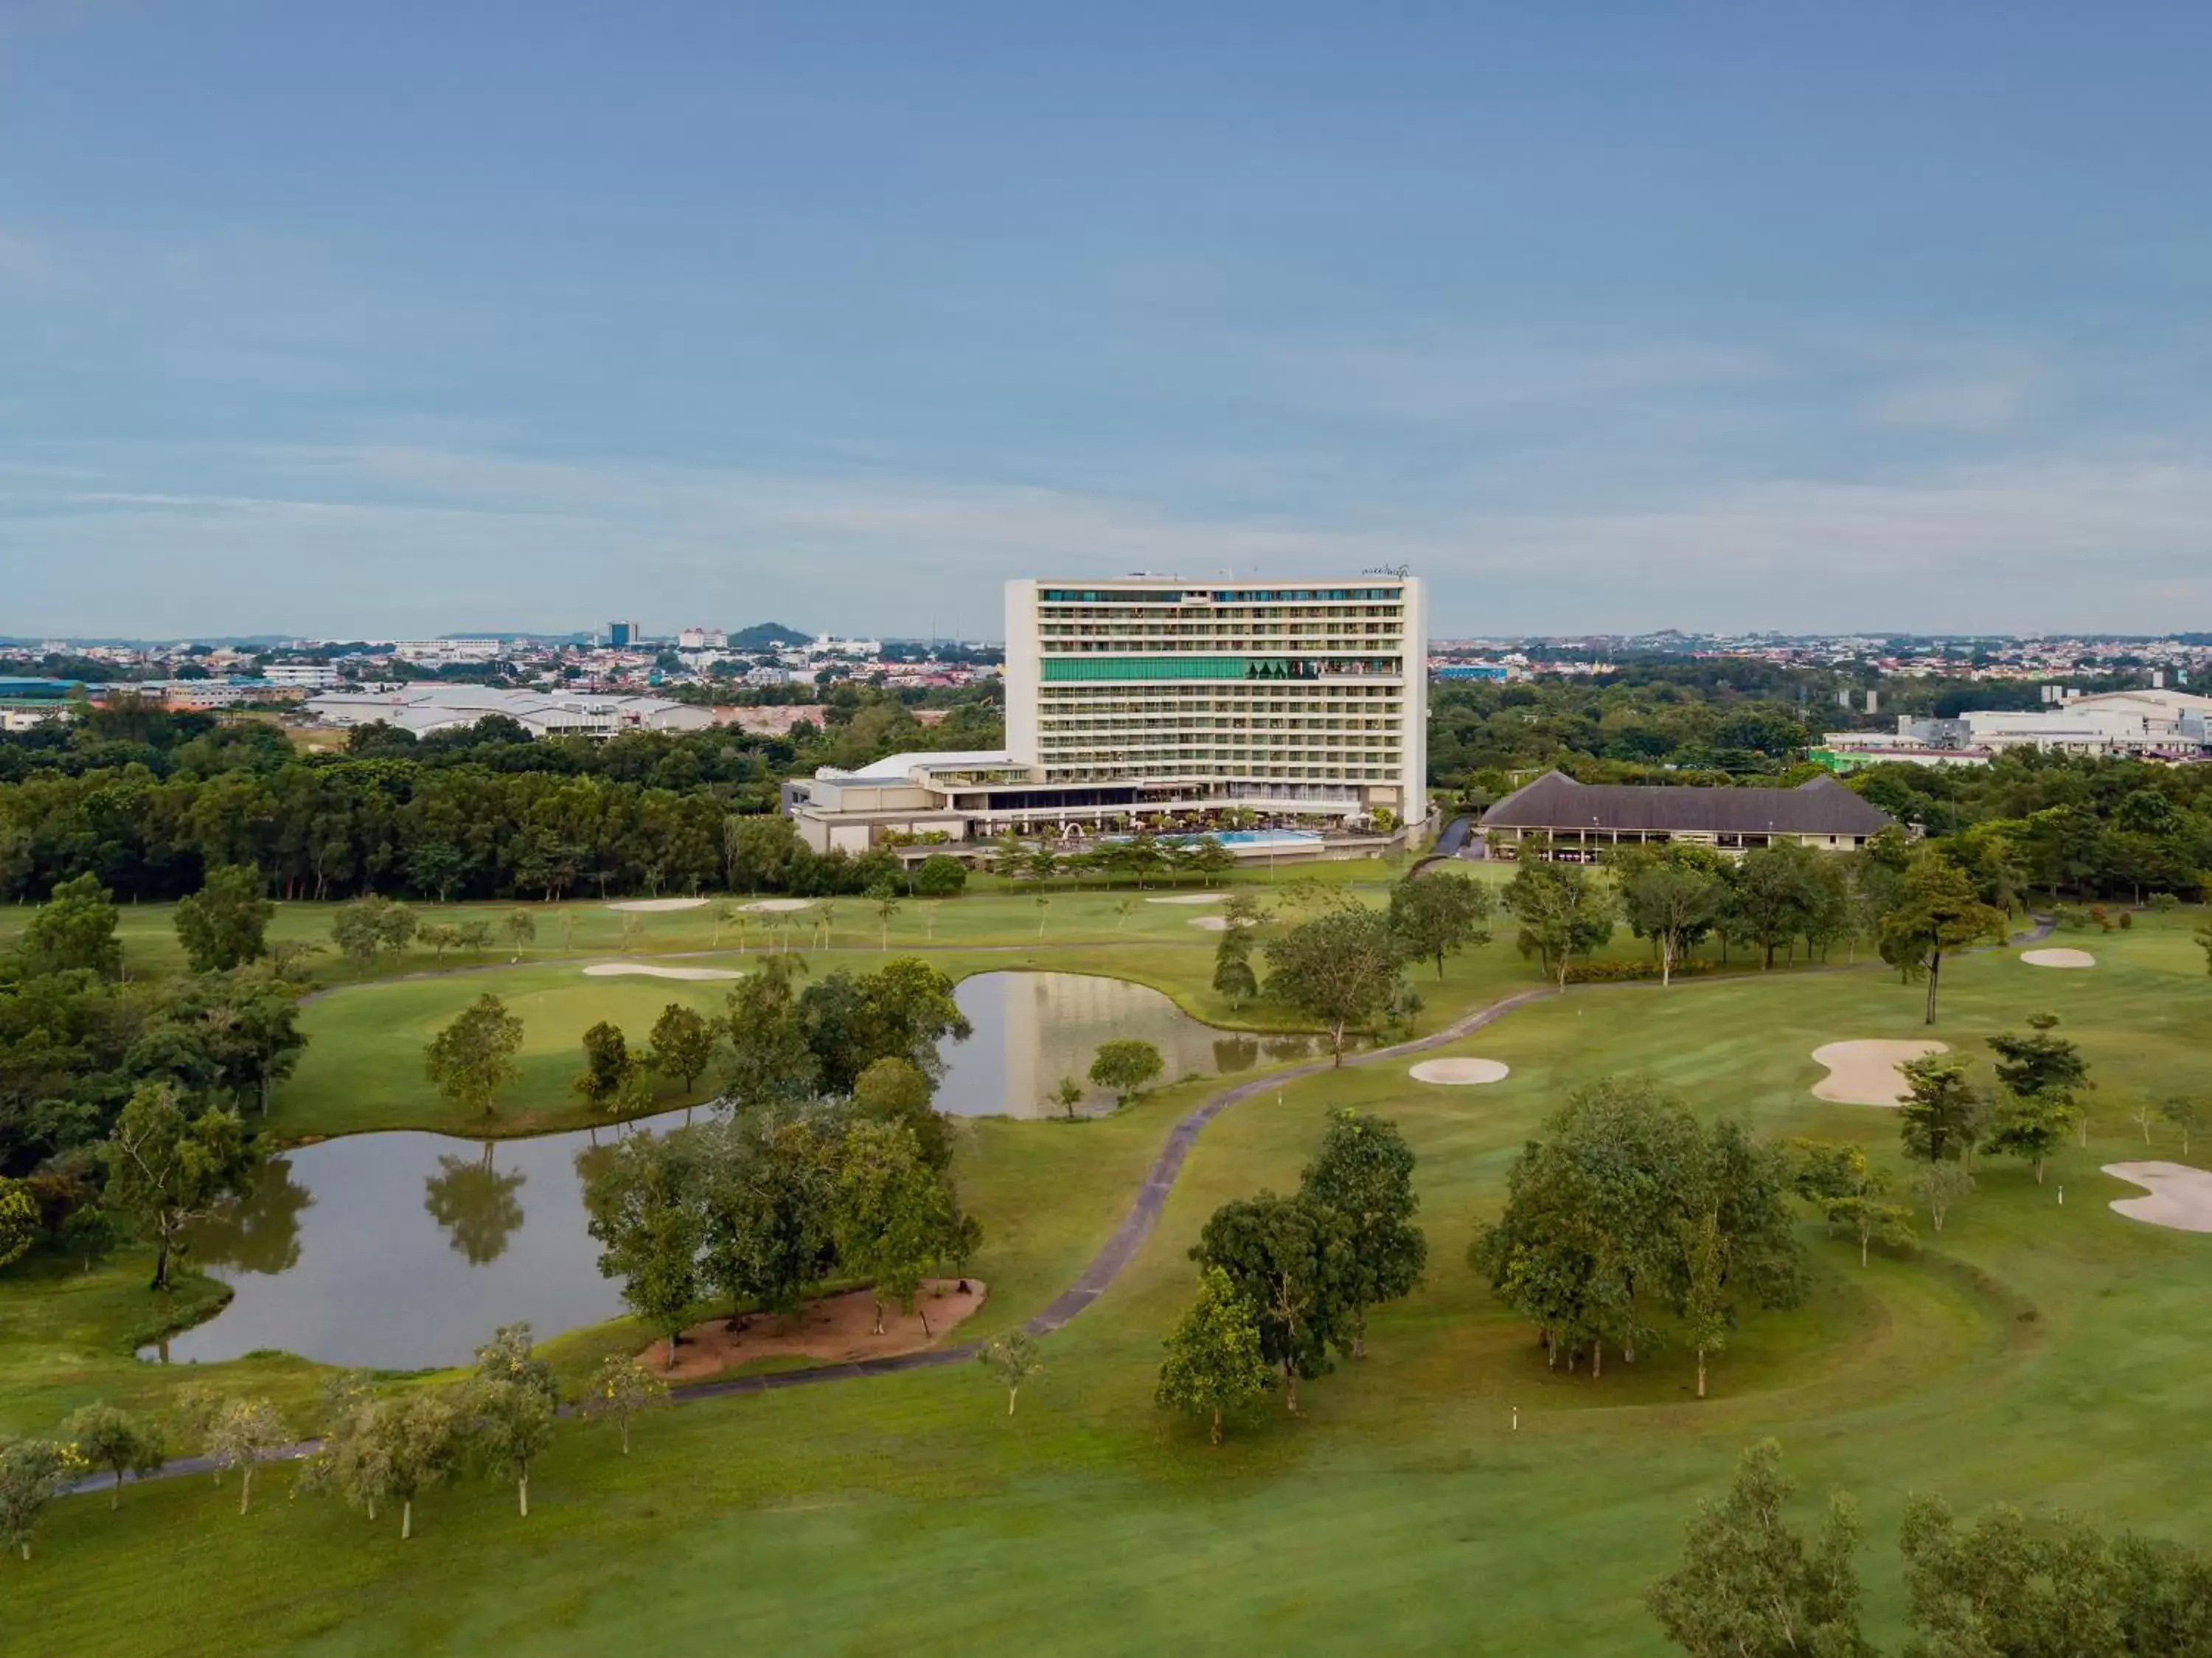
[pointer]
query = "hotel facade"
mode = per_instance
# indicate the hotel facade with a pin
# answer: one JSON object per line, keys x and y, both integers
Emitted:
{"x": 1242, "y": 708}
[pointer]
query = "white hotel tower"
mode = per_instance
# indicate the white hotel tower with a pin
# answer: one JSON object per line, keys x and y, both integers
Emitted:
{"x": 1154, "y": 700}
{"x": 1310, "y": 699}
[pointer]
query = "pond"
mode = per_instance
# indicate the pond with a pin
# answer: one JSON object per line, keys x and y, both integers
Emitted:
{"x": 404, "y": 1250}
{"x": 1032, "y": 1029}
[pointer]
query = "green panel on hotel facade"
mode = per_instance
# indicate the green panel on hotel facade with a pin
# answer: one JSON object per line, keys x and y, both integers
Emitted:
{"x": 1147, "y": 667}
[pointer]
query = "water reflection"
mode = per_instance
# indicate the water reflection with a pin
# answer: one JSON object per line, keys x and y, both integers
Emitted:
{"x": 410, "y": 1251}
{"x": 476, "y": 1204}
{"x": 259, "y": 1233}
{"x": 1032, "y": 1029}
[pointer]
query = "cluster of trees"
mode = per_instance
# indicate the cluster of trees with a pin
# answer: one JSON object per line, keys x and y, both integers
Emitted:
{"x": 1284, "y": 1280}
{"x": 1630, "y": 1220}
{"x": 1346, "y": 967}
{"x": 1751, "y": 1584}
{"x": 757, "y": 1210}
{"x": 378, "y": 1449}
{"x": 124, "y": 1107}
{"x": 1140, "y": 857}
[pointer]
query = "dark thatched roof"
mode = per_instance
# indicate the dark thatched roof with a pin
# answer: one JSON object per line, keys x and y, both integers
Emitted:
{"x": 1555, "y": 800}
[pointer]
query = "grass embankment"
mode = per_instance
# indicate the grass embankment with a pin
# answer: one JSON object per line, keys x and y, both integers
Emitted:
{"x": 2044, "y": 1353}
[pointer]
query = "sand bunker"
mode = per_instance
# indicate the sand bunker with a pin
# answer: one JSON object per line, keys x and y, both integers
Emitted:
{"x": 1222, "y": 923}
{"x": 2180, "y": 1197}
{"x": 648, "y": 970}
{"x": 2058, "y": 958}
{"x": 777, "y": 907}
{"x": 1865, "y": 1073}
{"x": 835, "y": 1331}
{"x": 1460, "y": 1073}
{"x": 1190, "y": 898}
{"x": 655, "y": 905}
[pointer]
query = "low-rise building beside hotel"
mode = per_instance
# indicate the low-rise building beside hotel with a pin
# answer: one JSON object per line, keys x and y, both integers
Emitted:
{"x": 1580, "y": 822}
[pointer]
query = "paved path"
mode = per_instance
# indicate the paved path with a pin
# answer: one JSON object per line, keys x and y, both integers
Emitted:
{"x": 1127, "y": 1238}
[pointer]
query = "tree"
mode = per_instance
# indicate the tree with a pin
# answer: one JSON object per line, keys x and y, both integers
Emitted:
{"x": 506, "y": 1425}
{"x": 1849, "y": 1192}
{"x": 354, "y": 930}
{"x": 243, "y": 1433}
{"x": 1940, "y": 1187}
{"x": 682, "y": 1044}
{"x": 20, "y": 1224}
{"x": 1012, "y": 1358}
{"x": 768, "y": 1059}
{"x": 1292, "y": 1260}
{"x": 165, "y": 1169}
{"x": 1340, "y": 968}
{"x": 74, "y": 930}
{"x": 1999, "y": 1587}
{"x": 1941, "y": 1110}
{"x": 510, "y": 1356}
{"x": 1938, "y": 910}
{"x": 1563, "y": 914}
{"x": 1067, "y": 1094}
{"x": 608, "y": 1065}
{"x": 2032, "y": 1126}
{"x": 1215, "y": 1368}
{"x": 642, "y": 1213}
{"x": 437, "y": 866}
{"x": 520, "y": 928}
{"x": 2204, "y": 937}
{"x": 1364, "y": 1172}
{"x": 894, "y": 1217}
{"x": 1673, "y": 904}
{"x": 2040, "y": 1064}
{"x": 1126, "y": 1066}
{"x": 1772, "y": 894}
{"x": 117, "y": 1442}
{"x": 1749, "y": 1586}
{"x": 620, "y": 1390}
{"x": 2185, "y": 1112}
{"x": 1706, "y": 1316}
{"x": 387, "y": 1450}
{"x": 1439, "y": 914}
{"x": 884, "y": 898}
{"x": 32, "y": 1474}
{"x": 440, "y": 936}
{"x": 395, "y": 927}
{"x": 225, "y": 924}
{"x": 473, "y": 1058}
{"x": 1232, "y": 967}
{"x": 895, "y": 1090}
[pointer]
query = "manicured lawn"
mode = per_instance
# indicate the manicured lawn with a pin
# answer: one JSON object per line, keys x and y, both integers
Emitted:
{"x": 2045, "y": 1354}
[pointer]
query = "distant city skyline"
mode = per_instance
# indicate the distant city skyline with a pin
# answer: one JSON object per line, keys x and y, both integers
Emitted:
{"x": 1601, "y": 318}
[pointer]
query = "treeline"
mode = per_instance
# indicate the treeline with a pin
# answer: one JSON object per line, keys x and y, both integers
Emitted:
{"x": 329, "y": 829}
{"x": 148, "y": 800}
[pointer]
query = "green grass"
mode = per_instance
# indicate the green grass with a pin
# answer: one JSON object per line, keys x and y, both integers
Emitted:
{"x": 2043, "y": 1354}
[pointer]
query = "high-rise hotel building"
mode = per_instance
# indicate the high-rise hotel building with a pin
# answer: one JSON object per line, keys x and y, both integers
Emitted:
{"x": 1308, "y": 700}
{"x": 1149, "y": 700}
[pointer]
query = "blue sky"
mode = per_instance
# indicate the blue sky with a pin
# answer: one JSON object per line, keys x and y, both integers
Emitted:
{"x": 349, "y": 319}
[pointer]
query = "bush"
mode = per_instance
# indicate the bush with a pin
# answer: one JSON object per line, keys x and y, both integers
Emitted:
{"x": 2127, "y": 919}
{"x": 940, "y": 876}
{"x": 2164, "y": 903}
{"x": 1623, "y": 973}
{"x": 2072, "y": 917}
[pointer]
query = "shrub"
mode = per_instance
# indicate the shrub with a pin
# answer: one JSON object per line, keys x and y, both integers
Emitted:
{"x": 1623, "y": 973}
{"x": 2127, "y": 919}
{"x": 2164, "y": 903}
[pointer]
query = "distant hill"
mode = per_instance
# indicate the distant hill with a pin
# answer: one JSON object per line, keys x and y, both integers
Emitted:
{"x": 766, "y": 635}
